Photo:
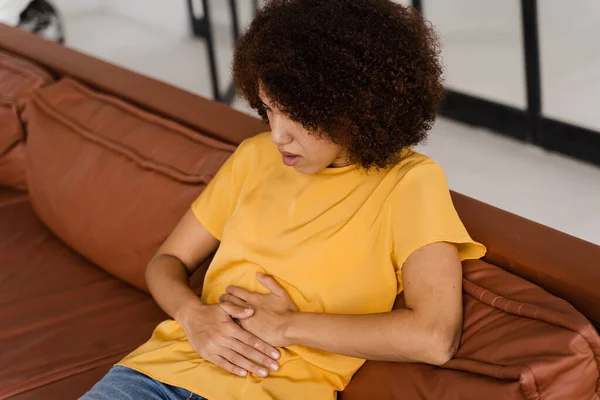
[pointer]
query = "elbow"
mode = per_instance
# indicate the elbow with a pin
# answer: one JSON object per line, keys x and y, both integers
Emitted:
{"x": 442, "y": 348}
{"x": 441, "y": 356}
{"x": 150, "y": 268}
{"x": 154, "y": 266}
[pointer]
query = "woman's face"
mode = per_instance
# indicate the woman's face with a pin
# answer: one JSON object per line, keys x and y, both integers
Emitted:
{"x": 299, "y": 149}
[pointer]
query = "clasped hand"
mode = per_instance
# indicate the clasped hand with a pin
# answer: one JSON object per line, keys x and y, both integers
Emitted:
{"x": 271, "y": 312}
{"x": 239, "y": 333}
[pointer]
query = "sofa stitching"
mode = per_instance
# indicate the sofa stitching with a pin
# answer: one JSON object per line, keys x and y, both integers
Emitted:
{"x": 153, "y": 118}
{"x": 119, "y": 148}
{"x": 26, "y": 73}
{"x": 16, "y": 200}
{"x": 559, "y": 320}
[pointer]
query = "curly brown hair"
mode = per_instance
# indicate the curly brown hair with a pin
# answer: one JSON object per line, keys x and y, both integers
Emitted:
{"x": 363, "y": 73}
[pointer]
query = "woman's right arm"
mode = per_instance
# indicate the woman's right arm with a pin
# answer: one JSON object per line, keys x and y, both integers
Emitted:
{"x": 210, "y": 330}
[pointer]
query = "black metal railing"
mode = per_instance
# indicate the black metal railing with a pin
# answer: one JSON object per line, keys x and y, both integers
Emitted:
{"x": 529, "y": 125}
{"x": 202, "y": 27}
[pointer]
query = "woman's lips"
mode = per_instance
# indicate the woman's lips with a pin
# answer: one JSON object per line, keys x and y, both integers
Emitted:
{"x": 290, "y": 159}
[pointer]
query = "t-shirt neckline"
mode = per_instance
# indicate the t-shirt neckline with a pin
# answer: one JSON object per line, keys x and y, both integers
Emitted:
{"x": 336, "y": 170}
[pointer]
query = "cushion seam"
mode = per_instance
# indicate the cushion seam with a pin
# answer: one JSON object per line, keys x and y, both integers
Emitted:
{"x": 118, "y": 148}
{"x": 469, "y": 290}
{"x": 470, "y": 287}
{"x": 23, "y": 72}
{"x": 152, "y": 118}
{"x": 16, "y": 200}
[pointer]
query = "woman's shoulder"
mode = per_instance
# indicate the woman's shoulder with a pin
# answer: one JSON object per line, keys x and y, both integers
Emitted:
{"x": 418, "y": 177}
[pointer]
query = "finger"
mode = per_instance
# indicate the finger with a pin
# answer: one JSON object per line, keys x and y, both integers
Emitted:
{"x": 270, "y": 283}
{"x": 253, "y": 354}
{"x": 227, "y": 366}
{"x": 241, "y": 293}
{"x": 229, "y": 298}
{"x": 254, "y": 342}
{"x": 242, "y": 362}
{"x": 235, "y": 311}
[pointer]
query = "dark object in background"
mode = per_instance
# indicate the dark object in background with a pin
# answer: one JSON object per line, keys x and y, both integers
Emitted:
{"x": 42, "y": 18}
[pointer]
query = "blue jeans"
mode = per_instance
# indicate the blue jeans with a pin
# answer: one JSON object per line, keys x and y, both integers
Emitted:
{"x": 122, "y": 383}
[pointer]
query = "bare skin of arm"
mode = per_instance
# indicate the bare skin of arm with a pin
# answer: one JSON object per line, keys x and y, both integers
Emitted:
{"x": 210, "y": 329}
{"x": 427, "y": 331}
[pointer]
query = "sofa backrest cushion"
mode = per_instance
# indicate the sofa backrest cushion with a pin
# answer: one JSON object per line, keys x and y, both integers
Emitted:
{"x": 18, "y": 78}
{"x": 109, "y": 179}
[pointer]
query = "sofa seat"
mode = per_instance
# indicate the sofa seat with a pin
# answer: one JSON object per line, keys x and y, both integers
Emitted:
{"x": 60, "y": 316}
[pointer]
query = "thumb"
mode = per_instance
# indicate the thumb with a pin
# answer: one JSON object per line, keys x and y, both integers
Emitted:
{"x": 235, "y": 311}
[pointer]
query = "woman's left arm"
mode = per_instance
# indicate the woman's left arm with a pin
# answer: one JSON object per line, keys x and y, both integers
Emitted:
{"x": 427, "y": 330}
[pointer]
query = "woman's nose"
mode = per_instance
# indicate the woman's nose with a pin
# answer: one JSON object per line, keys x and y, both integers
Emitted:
{"x": 279, "y": 135}
{"x": 279, "y": 138}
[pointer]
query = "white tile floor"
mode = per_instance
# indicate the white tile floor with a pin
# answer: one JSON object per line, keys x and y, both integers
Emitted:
{"x": 545, "y": 187}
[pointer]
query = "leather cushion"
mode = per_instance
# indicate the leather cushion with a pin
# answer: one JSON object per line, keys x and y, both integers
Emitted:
{"x": 18, "y": 78}
{"x": 112, "y": 180}
{"x": 518, "y": 342}
{"x": 63, "y": 321}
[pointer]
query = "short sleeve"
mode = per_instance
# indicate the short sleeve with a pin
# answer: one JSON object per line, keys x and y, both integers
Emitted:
{"x": 423, "y": 213}
{"x": 216, "y": 203}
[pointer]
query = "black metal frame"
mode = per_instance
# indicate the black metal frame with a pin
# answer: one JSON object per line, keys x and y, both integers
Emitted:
{"x": 528, "y": 125}
{"x": 202, "y": 27}
{"x": 532, "y": 67}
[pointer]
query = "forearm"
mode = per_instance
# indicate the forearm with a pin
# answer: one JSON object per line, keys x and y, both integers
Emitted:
{"x": 168, "y": 282}
{"x": 400, "y": 335}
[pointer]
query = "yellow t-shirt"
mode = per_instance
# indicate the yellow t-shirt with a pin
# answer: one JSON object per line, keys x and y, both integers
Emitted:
{"x": 335, "y": 240}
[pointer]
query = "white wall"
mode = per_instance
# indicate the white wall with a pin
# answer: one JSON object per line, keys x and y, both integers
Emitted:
{"x": 481, "y": 47}
{"x": 169, "y": 15}
{"x": 71, "y": 7}
{"x": 10, "y": 11}
{"x": 570, "y": 58}
{"x": 172, "y": 15}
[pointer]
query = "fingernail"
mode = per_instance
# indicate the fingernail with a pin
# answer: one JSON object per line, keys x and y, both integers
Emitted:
{"x": 275, "y": 355}
{"x": 262, "y": 372}
{"x": 243, "y": 373}
{"x": 275, "y": 367}
{"x": 247, "y": 310}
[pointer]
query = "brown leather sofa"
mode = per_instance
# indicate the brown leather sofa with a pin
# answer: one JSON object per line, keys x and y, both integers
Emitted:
{"x": 98, "y": 163}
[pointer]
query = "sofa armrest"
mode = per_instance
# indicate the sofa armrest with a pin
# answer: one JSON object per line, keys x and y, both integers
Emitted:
{"x": 564, "y": 265}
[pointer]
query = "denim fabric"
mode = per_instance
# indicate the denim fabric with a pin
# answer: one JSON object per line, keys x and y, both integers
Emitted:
{"x": 122, "y": 383}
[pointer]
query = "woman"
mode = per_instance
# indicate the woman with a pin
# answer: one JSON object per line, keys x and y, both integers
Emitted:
{"x": 319, "y": 224}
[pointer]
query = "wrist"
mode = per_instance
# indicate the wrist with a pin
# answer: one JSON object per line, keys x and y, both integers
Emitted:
{"x": 188, "y": 310}
{"x": 292, "y": 329}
